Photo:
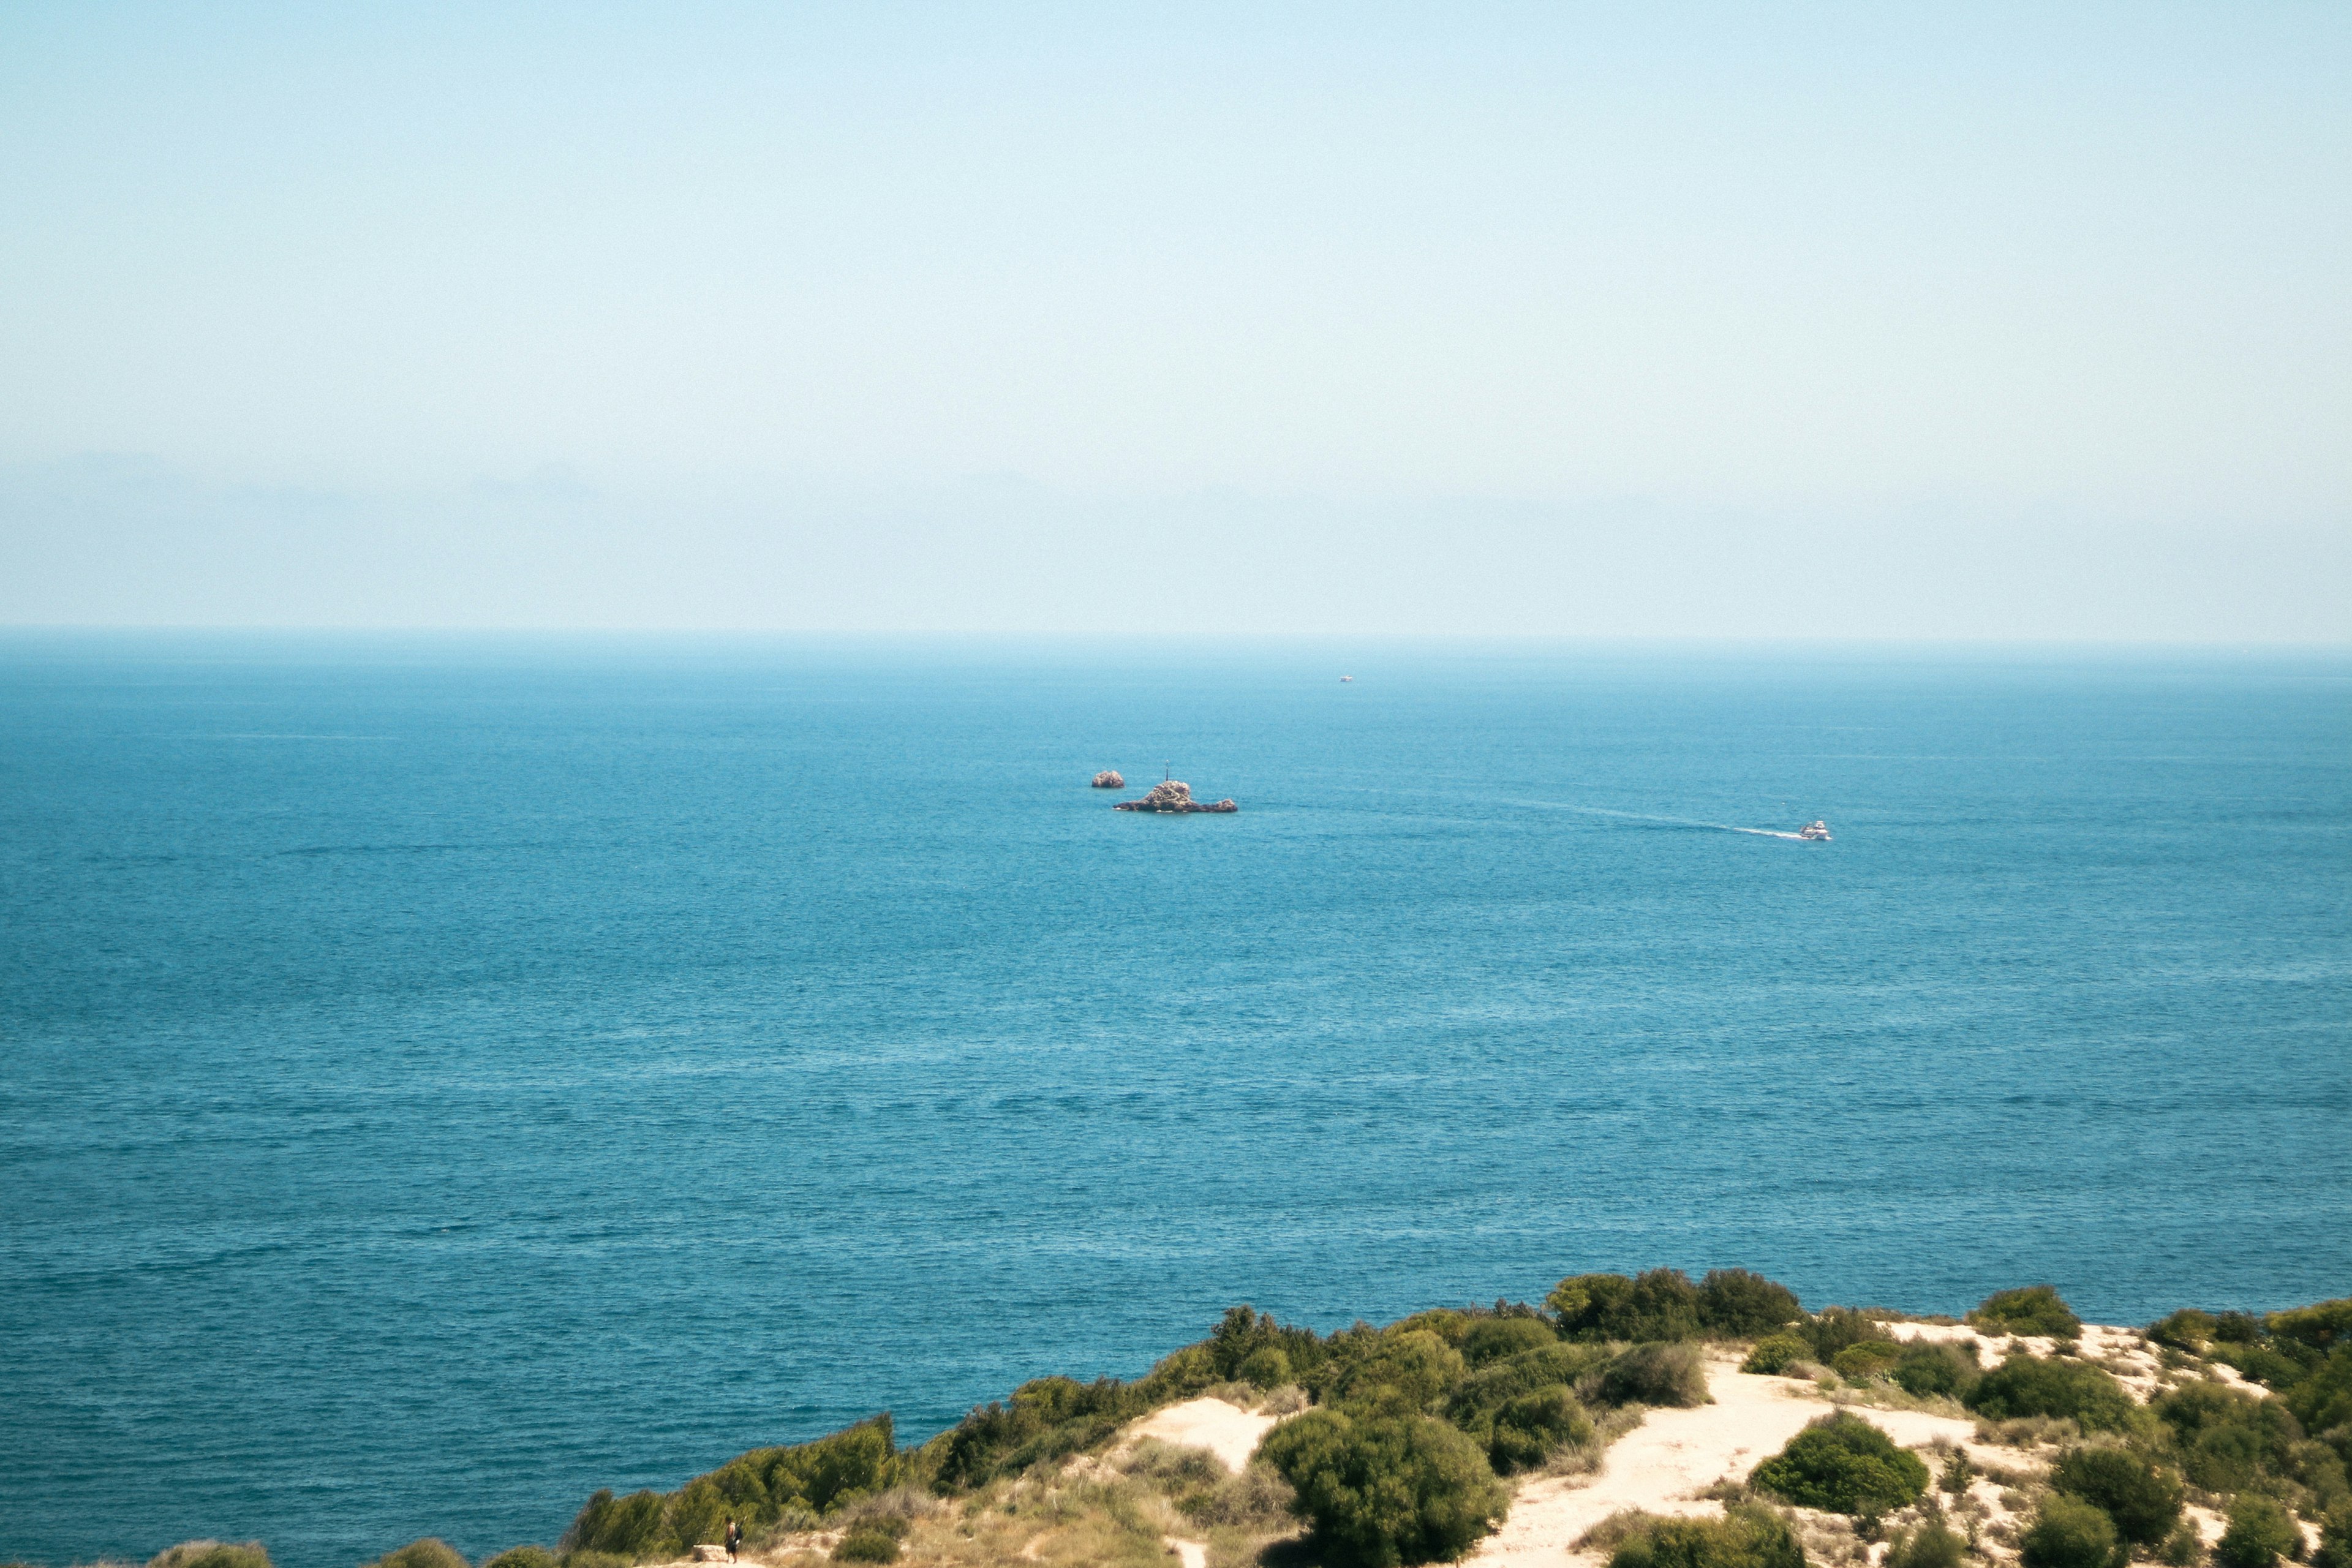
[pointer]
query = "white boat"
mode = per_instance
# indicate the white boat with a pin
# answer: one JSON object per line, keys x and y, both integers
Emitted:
{"x": 1814, "y": 832}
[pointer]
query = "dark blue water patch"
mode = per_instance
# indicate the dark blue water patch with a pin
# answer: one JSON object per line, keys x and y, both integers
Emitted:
{"x": 443, "y": 1078}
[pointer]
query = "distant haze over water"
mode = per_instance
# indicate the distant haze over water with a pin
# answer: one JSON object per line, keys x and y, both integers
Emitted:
{"x": 446, "y": 1077}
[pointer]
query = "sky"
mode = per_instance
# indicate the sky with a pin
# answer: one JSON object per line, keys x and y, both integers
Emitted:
{"x": 1974, "y": 321}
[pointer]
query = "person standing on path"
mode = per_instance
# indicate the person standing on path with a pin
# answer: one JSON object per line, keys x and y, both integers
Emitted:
{"x": 734, "y": 1538}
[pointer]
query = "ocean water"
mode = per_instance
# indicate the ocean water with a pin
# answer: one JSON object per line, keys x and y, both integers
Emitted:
{"x": 438, "y": 1079}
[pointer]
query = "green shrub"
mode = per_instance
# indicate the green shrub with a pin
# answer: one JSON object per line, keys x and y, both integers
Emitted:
{"x": 1929, "y": 1546}
{"x": 1927, "y": 1368}
{"x": 2263, "y": 1364}
{"x": 2335, "y": 1539}
{"x": 429, "y": 1552}
{"x": 522, "y": 1557}
{"x": 1775, "y": 1351}
{"x": 1473, "y": 1404}
{"x": 1662, "y": 1304}
{"x": 593, "y": 1560}
{"x": 1407, "y": 1371}
{"x": 1833, "y": 1329}
{"x": 2184, "y": 1548}
{"x": 1734, "y": 1304}
{"x": 1843, "y": 1463}
{"x": 864, "y": 1543}
{"x": 1746, "y": 1536}
{"x": 2260, "y": 1534}
{"x": 2029, "y": 1309}
{"x": 2323, "y": 1400}
{"x": 2030, "y": 1385}
{"x": 2186, "y": 1330}
{"x": 1868, "y": 1359}
{"x": 2238, "y": 1329}
{"x": 2323, "y": 1326}
{"x": 1387, "y": 1489}
{"x": 2228, "y": 1438}
{"x": 1500, "y": 1339}
{"x": 2070, "y": 1533}
{"x": 1268, "y": 1367}
{"x": 1529, "y": 1429}
{"x": 2143, "y": 1500}
{"x": 1046, "y": 1418}
{"x": 211, "y": 1554}
{"x": 1655, "y": 1374}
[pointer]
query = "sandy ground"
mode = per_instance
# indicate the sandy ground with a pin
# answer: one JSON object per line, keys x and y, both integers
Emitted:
{"x": 1229, "y": 1433}
{"x": 1663, "y": 1464}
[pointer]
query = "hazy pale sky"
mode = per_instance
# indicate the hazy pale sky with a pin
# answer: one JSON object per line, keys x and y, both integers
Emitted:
{"x": 1966, "y": 321}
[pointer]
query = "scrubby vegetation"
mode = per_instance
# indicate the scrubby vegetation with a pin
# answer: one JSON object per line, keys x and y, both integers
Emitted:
{"x": 2143, "y": 1498}
{"x": 1411, "y": 1431}
{"x": 1929, "y": 1544}
{"x": 2071, "y": 1533}
{"x": 2029, "y": 1309}
{"x": 2033, "y": 1385}
{"x": 211, "y": 1554}
{"x": 1746, "y": 1536}
{"x": 2260, "y": 1534}
{"x": 1385, "y": 1489}
{"x": 429, "y": 1552}
{"x": 1843, "y": 1463}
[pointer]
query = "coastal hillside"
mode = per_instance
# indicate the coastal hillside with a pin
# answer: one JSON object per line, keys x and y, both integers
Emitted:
{"x": 1650, "y": 1421}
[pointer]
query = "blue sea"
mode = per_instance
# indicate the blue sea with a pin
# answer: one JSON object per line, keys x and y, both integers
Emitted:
{"x": 439, "y": 1077}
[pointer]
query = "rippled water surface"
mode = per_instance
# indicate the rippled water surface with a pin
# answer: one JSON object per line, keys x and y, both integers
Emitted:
{"x": 441, "y": 1079}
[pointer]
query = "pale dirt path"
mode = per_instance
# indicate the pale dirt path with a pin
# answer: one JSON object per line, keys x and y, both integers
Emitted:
{"x": 1226, "y": 1431}
{"x": 1661, "y": 1465}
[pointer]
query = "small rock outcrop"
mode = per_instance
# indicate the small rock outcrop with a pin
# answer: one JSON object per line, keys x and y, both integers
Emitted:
{"x": 1109, "y": 779}
{"x": 1173, "y": 795}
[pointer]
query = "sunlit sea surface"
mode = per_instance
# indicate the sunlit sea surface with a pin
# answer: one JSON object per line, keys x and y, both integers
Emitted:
{"x": 444, "y": 1078}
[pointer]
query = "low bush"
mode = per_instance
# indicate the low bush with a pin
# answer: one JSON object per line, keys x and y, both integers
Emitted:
{"x": 1655, "y": 1373}
{"x": 522, "y": 1557}
{"x": 2029, "y": 1309}
{"x": 2143, "y": 1500}
{"x": 1926, "y": 1368}
{"x": 766, "y": 1485}
{"x": 1474, "y": 1402}
{"x": 1529, "y": 1429}
{"x": 429, "y": 1552}
{"x": 1736, "y": 1304}
{"x": 1662, "y": 1304}
{"x": 2030, "y": 1385}
{"x": 1746, "y": 1536}
{"x": 2323, "y": 1402}
{"x": 2184, "y": 1548}
{"x": 866, "y": 1542}
{"x": 2186, "y": 1330}
{"x": 1775, "y": 1351}
{"x": 1843, "y": 1463}
{"x": 2228, "y": 1438}
{"x": 211, "y": 1554}
{"x": 1833, "y": 1329}
{"x": 1386, "y": 1490}
{"x": 1046, "y": 1418}
{"x": 1268, "y": 1367}
{"x": 1929, "y": 1545}
{"x": 2322, "y": 1326}
{"x": 2335, "y": 1539}
{"x": 1870, "y": 1357}
{"x": 2068, "y": 1532}
{"x": 1406, "y": 1372}
{"x": 1492, "y": 1340}
{"x": 2260, "y": 1534}
{"x": 1256, "y": 1499}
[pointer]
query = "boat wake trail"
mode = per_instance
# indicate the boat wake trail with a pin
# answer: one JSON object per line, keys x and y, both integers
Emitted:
{"x": 1647, "y": 817}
